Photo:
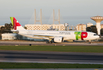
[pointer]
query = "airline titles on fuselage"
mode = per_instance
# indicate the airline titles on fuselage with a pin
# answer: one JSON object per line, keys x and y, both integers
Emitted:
{"x": 68, "y": 33}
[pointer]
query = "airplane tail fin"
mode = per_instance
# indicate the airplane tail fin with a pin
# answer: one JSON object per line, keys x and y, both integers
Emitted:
{"x": 16, "y": 24}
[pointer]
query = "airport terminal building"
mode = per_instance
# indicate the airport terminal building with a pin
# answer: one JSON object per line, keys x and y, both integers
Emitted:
{"x": 58, "y": 27}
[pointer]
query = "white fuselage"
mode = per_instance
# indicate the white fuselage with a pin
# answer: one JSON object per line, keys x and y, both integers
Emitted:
{"x": 67, "y": 35}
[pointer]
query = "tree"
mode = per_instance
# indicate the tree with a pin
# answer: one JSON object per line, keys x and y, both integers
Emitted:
{"x": 6, "y": 29}
{"x": 101, "y": 31}
{"x": 88, "y": 29}
{"x": 8, "y": 26}
{"x": 92, "y": 29}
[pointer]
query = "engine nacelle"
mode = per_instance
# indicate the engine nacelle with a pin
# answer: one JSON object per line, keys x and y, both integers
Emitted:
{"x": 58, "y": 39}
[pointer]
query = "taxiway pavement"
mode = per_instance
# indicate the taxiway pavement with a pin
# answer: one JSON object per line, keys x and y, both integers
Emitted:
{"x": 44, "y": 43}
{"x": 51, "y": 57}
{"x": 54, "y": 69}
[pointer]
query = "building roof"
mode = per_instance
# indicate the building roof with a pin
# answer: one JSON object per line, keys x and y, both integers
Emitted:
{"x": 81, "y": 24}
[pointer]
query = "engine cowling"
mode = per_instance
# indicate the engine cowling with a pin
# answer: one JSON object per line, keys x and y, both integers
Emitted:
{"x": 58, "y": 39}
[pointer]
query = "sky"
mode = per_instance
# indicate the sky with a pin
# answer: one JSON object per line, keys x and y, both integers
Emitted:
{"x": 71, "y": 11}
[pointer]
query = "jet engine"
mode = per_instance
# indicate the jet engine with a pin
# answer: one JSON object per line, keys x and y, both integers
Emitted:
{"x": 58, "y": 39}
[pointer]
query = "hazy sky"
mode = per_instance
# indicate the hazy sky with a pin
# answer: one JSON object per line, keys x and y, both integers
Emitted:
{"x": 70, "y": 10}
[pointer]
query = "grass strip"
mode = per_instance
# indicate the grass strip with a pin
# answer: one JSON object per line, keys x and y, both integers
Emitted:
{"x": 88, "y": 49}
{"x": 5, "y": 65}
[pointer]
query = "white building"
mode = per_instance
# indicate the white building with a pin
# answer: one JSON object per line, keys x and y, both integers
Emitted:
{"x": 81, "y": 27}
{"x": 9, "y": 36}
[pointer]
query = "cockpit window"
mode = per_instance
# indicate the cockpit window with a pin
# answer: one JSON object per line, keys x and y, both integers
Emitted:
{"x": 95, "y": 34}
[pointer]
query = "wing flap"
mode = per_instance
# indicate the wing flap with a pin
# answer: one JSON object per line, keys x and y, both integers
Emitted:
{"x": 47, "y": 36}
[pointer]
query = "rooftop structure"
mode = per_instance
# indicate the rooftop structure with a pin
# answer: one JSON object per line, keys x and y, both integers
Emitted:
{"x": 40, "y": 17}
{"x": 58, "y": 16}
{"x": 35, "y": 19}
{"x": 89, "y": 24}
{"x": 41, "y": 26}
{"x": 97, "y": 19}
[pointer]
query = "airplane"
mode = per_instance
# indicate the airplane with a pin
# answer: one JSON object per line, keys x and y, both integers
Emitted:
{"x": 53, "y": 36}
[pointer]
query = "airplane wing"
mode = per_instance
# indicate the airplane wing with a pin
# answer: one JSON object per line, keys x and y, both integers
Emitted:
{"x": 47, "y": 36}
{"x": 38, "y": 36}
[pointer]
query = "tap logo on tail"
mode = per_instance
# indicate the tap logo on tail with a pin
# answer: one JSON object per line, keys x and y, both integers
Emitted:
{"x": 81, "y": 35}
{"x": 15, "y": 23}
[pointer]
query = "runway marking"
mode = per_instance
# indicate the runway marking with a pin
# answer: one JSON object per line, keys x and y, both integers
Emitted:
{"x": 95, "y": 69}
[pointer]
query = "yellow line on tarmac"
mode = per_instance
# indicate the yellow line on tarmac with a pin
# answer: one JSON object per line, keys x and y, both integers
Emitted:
{"x": 95, "y": 69}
